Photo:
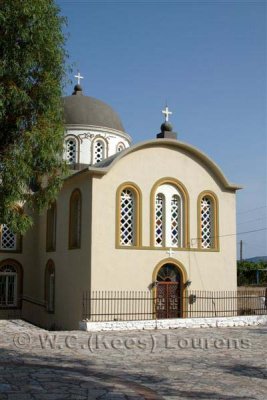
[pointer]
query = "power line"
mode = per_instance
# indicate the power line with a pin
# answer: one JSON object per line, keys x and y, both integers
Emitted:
{"x": 235, "y": 234}
{"x": 251, "y": 220}
{"x": 252, "y": 209}
{"x": 243, "y": 233}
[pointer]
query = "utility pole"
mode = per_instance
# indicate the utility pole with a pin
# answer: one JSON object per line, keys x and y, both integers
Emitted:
{"x": 241, "y": 250}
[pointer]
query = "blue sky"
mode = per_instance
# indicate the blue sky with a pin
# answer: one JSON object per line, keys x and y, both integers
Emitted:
{"x": 207, "y": 59}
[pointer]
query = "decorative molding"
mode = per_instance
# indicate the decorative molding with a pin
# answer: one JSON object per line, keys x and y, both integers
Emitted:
{"x": 157, "y": 248}
{"x": 187, "y": 149}
{"x": 100, "y": 129}
{"x": 91, "y": 136}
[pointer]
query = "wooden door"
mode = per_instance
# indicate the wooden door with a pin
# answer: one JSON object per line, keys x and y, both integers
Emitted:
{"x": 168, "y": 300}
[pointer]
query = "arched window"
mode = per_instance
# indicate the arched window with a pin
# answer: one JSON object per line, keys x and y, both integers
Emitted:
{"x": 50, "y": 286}
{"x": 71, "y": 150}
{"x": 129, "y": 217}
{"x": 176, "y": 220}
{"x": 208, "y": 220}
{"x": 10, "y": 284}
{"x": 159, "y": 219}
{"x": 120, "y": 147}
{"x": 99, "y": 150}
{"x": 51, "y": 223}
{"x": 169, "y": 207}
{"x": 75, "y": 220}
{"x": 8, "y": 239}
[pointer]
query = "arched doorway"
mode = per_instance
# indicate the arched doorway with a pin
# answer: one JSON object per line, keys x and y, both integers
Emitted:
{"x": 169, "y": 292}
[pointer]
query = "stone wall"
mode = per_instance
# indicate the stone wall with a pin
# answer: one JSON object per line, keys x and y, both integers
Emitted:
{"x": 174, "y": 323}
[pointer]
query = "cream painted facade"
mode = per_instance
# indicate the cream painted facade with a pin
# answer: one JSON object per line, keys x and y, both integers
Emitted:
{"x": 102, "y": 263}
{"x": 46, "y": 277}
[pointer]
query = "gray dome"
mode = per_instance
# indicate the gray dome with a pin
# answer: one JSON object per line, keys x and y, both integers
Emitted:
{"x": 85, "y": 110}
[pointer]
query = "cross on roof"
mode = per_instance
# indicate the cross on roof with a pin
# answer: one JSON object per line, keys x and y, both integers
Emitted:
{"x": 170, "y": 252}
{"x": 79, "y": 77}
{"x": 166, "y": 112}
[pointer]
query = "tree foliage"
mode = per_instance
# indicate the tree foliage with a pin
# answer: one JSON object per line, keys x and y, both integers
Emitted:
{"x": 32, "y": 69}
{"x": 247, "y": 270}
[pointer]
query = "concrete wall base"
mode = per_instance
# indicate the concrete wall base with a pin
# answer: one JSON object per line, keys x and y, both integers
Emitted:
{"x": 174, "y": 323}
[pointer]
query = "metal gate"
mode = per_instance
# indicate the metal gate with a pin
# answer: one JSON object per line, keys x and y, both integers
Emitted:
{"x": 168, "y": 300}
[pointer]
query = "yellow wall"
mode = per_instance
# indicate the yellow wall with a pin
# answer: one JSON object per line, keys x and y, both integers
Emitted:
{"x": 99, "y": 265}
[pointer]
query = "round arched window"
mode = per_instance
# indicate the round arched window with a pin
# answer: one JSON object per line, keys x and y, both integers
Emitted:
{"x": 169, "y": 273}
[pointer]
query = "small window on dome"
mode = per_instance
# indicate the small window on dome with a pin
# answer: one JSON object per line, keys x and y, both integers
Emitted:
{"x": 99, "y": 151}
{"x": 120, "y": 147}
{"x": 71, "y": 150}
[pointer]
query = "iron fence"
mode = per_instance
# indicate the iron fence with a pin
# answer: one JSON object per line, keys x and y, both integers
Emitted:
{"x": 145, "y": 305}
{"x": 6, "y": 313}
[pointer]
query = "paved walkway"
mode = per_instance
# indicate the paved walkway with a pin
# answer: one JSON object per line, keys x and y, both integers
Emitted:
{"x": 222, "y": 363}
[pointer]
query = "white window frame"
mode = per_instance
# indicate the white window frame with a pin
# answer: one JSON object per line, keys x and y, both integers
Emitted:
{"x": 169, "y": 190}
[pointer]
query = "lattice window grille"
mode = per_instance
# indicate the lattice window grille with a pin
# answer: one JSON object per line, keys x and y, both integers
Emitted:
{"x": 159, "y": 210}
{"x": 71, "y": 151}
{"x": 8, "y": 268}
{"x": 8, "y": 286}
{"x": 8, "y": 239}
{"x": 99, "y": 151}
{"x": 127, "y": 205}
{"x": 206, "y": 223}
{"x": 175, "y": 221}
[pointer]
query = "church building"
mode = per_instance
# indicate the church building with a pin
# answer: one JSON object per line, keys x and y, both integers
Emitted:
{"x": 129, "y": 217}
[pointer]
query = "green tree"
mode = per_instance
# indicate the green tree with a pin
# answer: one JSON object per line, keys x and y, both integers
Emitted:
{"x": 32, "y": 69}
{"x": 246, "y": 272}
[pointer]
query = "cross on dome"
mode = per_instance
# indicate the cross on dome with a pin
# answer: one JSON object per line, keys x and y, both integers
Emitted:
{"x": 79, "y": 77}
{"x": 166, "y": 112}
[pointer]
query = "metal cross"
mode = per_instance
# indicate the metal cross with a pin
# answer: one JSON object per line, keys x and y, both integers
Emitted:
{"x": 170, "y": 252}
{"x": 166, "y": 112}
{"x": 79, "y": 77}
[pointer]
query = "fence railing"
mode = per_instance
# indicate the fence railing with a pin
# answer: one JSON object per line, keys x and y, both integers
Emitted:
{"x": 9, "y": 313}
{"x": 144, "y": 305}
